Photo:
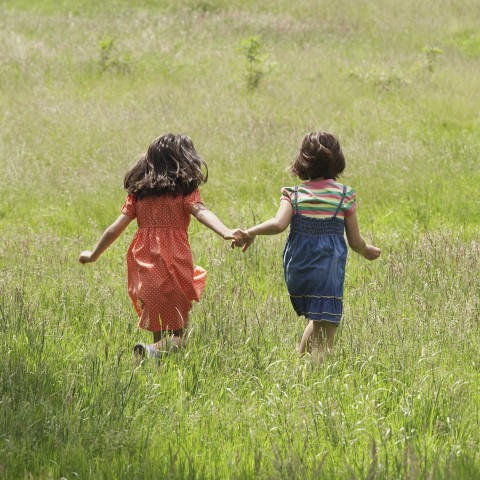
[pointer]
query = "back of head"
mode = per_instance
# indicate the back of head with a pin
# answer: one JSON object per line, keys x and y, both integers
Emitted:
{"x": 170, "y": 166}
{"x": 320, "y": 155}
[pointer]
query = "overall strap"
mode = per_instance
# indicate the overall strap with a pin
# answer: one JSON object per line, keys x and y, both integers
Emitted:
{"x": 295, "y": 199}
{"x": 341, "y": 201}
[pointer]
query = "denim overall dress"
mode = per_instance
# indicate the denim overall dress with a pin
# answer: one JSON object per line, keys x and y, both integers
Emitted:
{"x": 314, "y": 261}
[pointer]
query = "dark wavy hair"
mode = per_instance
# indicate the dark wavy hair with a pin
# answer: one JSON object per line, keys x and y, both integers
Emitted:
{"x": 171, "y": 166}
{"x": 320, "y": 155}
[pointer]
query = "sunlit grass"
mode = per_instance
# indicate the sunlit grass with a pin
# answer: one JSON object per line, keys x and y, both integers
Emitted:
{"x": 397, "y": 398}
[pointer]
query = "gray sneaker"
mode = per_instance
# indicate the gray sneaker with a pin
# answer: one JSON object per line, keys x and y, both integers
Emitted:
{"x": 143, "y": 350}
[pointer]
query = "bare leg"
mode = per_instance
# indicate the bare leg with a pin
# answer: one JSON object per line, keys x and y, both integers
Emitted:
{"x": 304, "y": 343}
{"x": 167, "y": 341}
{"x": 323, "y": 336}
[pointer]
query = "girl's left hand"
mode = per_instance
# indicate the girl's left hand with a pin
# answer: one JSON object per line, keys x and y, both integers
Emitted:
{"x": 241, "y": 238}
{"x": 237, "y": 238}
{"x": 86, "y": 257}
{"x": 229, "y": 235}
{"x": 372, "y": 252}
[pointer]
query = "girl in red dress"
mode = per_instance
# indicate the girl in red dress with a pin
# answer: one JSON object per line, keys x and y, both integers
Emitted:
{"x": 162, "y": 194}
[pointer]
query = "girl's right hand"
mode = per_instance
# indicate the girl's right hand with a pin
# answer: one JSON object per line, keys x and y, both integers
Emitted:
{"x": 86, "y": 257}
{"x": 242, "y": 238}
{"x": 372, "y": 253}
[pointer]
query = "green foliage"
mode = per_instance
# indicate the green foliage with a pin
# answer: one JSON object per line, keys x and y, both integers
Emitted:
{"x": 258, "y": 64}
{"x": 431, "y": 57}
{"x": 394, "y": 399}
{"x": 109, "y": 59}
{"x": 468, "y": 41}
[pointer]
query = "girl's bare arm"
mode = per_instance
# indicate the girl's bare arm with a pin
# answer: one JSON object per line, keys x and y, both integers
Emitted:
{"x": 109, "y": 236}
{"x": 210, "y": 220}
{"x": 270, "y": 227}
{"x": 356, "y": 241}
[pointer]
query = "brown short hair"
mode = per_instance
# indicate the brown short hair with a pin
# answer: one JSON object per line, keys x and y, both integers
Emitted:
{"x": 320, "y": 155}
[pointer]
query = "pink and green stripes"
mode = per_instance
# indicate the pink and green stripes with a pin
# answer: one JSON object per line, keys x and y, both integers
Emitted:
{"x": 320, "y": 199}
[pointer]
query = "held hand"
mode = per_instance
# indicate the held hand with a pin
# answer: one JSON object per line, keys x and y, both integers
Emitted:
{"x": 241, "y": 238}
{"x": 248, "y": 242}
{"x": 86, "y": 257}
{"x": 372, "y": 253}
{"x": 229, "y": 235}
{"x": 238, "y": 238}
{"x": 235, "y": 236}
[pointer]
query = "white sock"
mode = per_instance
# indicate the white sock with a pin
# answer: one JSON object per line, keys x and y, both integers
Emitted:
{"x": 151, "y": 350}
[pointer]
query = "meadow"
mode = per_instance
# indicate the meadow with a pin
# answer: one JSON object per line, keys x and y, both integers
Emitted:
{"x": 84, "y": 88}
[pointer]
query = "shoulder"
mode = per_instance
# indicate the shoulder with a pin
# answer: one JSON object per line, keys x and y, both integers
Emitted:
{"x": 290, "y": 190}
{"x": 193, "y": 197}
{"x": 350, "y": 194}
{"x": 350, "y": 200}
{"x": 128, "y": 207}
{"x": 349, "y": 191}
{"x": 287, "y": 193}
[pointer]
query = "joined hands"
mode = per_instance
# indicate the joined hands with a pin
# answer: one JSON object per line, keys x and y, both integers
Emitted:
{"x": 240, "y": 238}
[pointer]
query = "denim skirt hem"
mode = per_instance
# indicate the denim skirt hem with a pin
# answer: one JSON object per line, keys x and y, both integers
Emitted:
{"x": 318, "y": 308}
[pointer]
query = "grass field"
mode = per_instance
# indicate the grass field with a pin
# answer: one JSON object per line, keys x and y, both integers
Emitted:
{"x": 86, "y": 85}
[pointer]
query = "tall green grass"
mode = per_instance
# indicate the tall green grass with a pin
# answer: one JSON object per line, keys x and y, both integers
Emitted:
{"x": 397, "y": 398}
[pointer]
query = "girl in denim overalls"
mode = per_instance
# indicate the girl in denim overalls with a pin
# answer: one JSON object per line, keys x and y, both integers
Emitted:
{"x": 318, "y": 212}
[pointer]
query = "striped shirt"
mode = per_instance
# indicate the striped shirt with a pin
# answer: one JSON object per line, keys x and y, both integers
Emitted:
{"x": 320, "y": 199}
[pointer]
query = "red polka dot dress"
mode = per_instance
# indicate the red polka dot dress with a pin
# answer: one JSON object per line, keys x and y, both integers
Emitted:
{"x": 162, "y": 281}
